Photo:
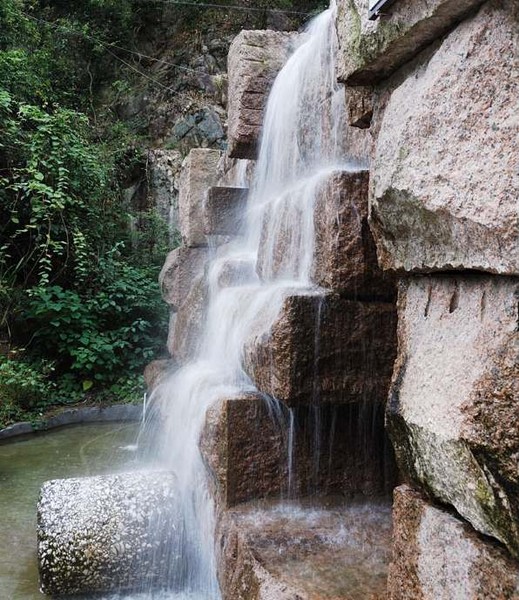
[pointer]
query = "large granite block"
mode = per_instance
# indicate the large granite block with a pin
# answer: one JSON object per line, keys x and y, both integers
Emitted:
{"x": 255, "y": 448}
{"x": 107, "y": 534}
{"x": 453, "y": 412}
{"x": 199, "y": 173}
{"x": 255, "y": 58}
{"x": 224, "y": 210}
{"x": 445, "y": 177}
{"x": 188, "y": 324}
{"x": 345, "y": 256}
{"x": 323, "y": 348}
{"x": 371, "y": 50}
{"x": 437, "y": 556}
{"x": 180, "y": 271}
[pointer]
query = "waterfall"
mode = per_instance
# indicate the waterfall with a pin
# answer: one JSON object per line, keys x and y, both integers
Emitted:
{"x": 301, "y": 145}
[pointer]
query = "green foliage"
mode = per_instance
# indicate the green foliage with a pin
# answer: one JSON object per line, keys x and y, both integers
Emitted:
{"x": 78, "y": 268}
{"x": 24, "y": 388}
{"x": 99, "y": 335}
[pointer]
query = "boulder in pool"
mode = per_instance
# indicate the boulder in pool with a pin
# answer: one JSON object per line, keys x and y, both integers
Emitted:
{"x": 108, "y": 533}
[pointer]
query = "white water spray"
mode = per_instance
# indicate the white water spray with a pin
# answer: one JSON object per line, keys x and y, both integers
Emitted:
{"x": 301, "y": 146}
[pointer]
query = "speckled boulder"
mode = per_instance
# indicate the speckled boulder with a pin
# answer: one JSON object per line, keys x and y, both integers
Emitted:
{"x": 107, "y": 533}
{"x": 453, "y": 412}
{"x": 371, "y": 50}
{"x": 445, "y": 176}
{"x": 437, "y": 556}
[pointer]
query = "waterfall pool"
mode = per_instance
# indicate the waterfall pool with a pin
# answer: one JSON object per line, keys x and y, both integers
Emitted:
{"x": 25, "y": 463}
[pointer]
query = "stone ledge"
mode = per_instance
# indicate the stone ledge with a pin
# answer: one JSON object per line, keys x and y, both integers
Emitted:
{"x": 370, "y": 51}
{"x": 354, "y": 342}
{"x": 224, "y": 210}
{"x": 76, "y": 416}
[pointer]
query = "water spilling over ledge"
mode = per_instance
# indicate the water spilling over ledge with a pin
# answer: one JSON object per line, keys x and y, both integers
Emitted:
{"x": 315, "y": 397}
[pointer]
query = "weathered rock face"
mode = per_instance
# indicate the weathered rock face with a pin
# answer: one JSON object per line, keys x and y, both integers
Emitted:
{"x": 182, "y": 268}
{"x": 345, "y": 256}
{"x": 437, "y": 556}
{"x": 445, "y": 178}
{"x": 201, "y": 129}
{"x": 372, "y": 50}
{"x": 164, "y": 167}
{"x": 255, "y": 58}
{"x": 334, "y": 450}
{"x": 323, "y": 348}
{"x": 224, "y": 210}
{"x": 108, "y": 533}
{"x": 189, "y": 323}
{"x": 453, "y": 412}
{"x": 199, "y": 172}
{"x": 308, "y": 551}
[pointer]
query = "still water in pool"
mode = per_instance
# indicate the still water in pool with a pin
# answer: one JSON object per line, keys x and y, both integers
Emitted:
{"x": 74, "y": 451}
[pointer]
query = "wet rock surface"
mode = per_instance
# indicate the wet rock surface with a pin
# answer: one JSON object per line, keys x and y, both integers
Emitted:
{"x": 308, "y": 550}
{"x": 453, "y": 413}
{"x": 199, "y": 173}
{"x": 372, "y": 50}
{"x": 181, "y": 270}
{"x": 255, "y": 448}
{"x": 224, "y": 210}
{"x": 323, "y": 348}
{"x": 437, "y": 556}
{"x": 189, "y": 322}
{"x": 445, "y": 177}
{"x": 107, "y": 533}
{"x": 345, "y": 255}
{"x": 255, "y": 58}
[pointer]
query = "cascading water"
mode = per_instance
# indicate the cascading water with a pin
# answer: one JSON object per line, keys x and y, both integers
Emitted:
{"x": 301, "y": 145}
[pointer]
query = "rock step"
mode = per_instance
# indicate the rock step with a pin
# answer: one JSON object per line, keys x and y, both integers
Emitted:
{"x": 323, "y": 348}
{"x": 224, "y": 210}
{"x": 345, "y": 255}
{"x": 309, "y": 550}
{"x": 247, "y": 444}
{"x": 255, "y": 58}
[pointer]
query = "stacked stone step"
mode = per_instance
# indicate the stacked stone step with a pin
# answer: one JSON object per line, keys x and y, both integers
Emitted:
{"x": 444, "y": 211}
{"x": 331, "y": 348}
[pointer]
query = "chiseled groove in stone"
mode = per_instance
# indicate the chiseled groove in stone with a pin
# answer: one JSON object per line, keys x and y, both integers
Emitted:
{"x": 453, "y": 414}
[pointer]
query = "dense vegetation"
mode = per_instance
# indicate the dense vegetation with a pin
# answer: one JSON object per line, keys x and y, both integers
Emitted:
{"x": 80, "y": 308}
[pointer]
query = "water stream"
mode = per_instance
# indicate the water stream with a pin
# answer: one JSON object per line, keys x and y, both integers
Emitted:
{"x": 301, "y": 145}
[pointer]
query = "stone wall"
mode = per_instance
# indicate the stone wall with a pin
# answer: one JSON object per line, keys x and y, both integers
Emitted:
{"x": 443, "y": 80}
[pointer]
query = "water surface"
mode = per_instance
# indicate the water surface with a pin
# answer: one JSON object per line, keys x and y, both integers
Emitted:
{"x": 73, "y": 451}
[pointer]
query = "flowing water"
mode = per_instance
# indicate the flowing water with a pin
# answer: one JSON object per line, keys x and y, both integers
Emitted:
{"x": 301, "y": 145}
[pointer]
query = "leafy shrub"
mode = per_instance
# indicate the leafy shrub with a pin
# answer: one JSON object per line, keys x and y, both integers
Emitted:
{"x": 23, "y": 387}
